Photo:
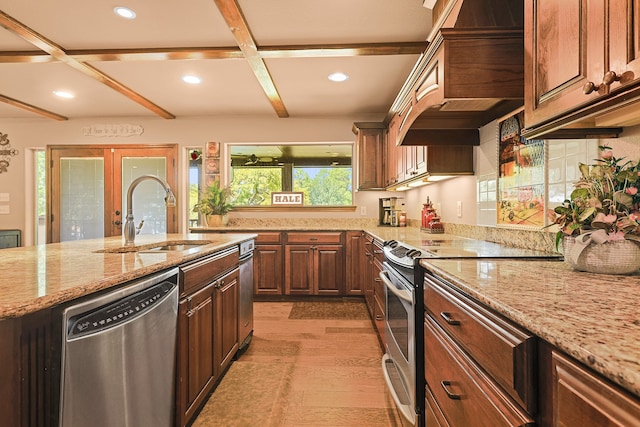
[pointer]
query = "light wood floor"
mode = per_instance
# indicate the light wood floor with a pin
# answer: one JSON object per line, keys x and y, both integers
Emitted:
{"x": 303, "y": 372}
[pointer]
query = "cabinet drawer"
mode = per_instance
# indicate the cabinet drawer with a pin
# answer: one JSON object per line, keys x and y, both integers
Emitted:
{"x": 463, "y": 393}
{"x": 505, "y": 351}
{"x": 203, "y": 271}
{"x": 378, "y": 253}
{"x": 321, "y": 237}
{"x": 269, "y": 237}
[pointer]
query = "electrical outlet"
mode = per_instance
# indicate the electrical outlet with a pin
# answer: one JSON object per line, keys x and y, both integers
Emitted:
{"x": 459, "y": 207}
{"x": 363, "y": 210}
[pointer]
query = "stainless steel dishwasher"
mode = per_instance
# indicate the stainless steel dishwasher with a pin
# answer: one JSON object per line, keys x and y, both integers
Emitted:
{"x": 245, "y": 309}
{"x": 118, "y": 356}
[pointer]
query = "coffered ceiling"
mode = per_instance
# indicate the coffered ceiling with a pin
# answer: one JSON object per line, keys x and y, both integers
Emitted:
{"x": 255, "y": 57}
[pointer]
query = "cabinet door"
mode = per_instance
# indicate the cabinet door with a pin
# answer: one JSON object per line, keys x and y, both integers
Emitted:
{"x": 355, "y": 263}
{"x": 328, "y": 269}
{"x": 298, "y": 274}
{"x": 624, "y": 38}
{"x": 267, "y": 270}
{"x": 368, "y": 278}
{"x": 564, "y": 50}
{"x": 369, "y": 157}
{"x": 580, "y": 398}
{"x": 226, "y": 321}
{"x": 195, "y": 352}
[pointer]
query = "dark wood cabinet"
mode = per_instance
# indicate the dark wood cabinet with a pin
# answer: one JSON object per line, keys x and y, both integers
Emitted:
{"x": 570, "y": 394}
{"x": 369, "y": 155}
{"x": 355, "y": 262}
{"x": 580, "y": 59}
{"x": 225, "y": 342}
{"x": 314, "y": 263}
{"x": 268, "y": 263}
{"x": 461, "y": 390}
{"x": 479, "y": 367}
{"x": 207, "y": 328}
{"x": 196, "y": 367}
{"x": 373, "y": 286}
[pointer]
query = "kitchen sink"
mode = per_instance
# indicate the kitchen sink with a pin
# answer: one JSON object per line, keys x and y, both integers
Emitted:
{"x": 166, "y": 246}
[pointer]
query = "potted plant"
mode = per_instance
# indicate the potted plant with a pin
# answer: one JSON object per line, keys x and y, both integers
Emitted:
{"x": 600, "y": 220}
{"x": 214, "y": 205}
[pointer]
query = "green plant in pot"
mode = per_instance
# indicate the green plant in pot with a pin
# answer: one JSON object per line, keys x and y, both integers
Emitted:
{"x": 599, "y": 225}
{"x": 214, "y": 205}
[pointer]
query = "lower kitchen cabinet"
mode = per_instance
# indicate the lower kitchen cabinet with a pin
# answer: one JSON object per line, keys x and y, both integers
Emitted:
{"x": 373, "y": 287}
{"x": 571, "y": 394}
{"x": 268, "y": 262}
{"x": 355, "y": 263}
{"x": 481, "y": 369}
{"x": 207, "y": 329}
{"x": 314, "y": 264}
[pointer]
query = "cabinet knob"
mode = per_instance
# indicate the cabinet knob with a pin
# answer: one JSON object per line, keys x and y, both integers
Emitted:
{"x": 590, "y": 87}
{"x": 445, "y": 385}
{"x": 610, "y": 77}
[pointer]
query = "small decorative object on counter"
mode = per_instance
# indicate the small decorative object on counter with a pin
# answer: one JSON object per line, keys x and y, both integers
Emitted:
{"x": 599, "y": 223}
{"x": 430, "y": 219}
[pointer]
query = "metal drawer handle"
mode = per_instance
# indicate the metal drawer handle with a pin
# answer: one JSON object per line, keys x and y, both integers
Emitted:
{"x": 447, "y": 318}
{"x": 379, "y": 317}
{"x": 450, "y": 395}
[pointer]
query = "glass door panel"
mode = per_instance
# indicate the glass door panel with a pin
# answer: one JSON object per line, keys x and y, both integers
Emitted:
{"x": 148, "y": 196}
{"x": 81, "y": 198}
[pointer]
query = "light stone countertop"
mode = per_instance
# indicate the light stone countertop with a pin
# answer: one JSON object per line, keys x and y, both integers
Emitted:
{"x": 593, "y": 317}
{"x": 37, "y": 277}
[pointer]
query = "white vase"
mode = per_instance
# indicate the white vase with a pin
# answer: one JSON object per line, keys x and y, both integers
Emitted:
{"x": 613, "y": 257}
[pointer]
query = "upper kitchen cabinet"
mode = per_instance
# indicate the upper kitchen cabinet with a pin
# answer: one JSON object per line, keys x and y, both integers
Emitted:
{"x": 369, "y": 148}
{"x": 581, "y": 67}
{"x": 471, "y": 73}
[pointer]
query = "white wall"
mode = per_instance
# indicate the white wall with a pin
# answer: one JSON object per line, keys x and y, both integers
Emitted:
{"x": 24, "y": 135}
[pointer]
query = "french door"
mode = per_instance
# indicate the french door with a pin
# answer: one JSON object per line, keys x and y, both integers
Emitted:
{"x": 88, "y": 190}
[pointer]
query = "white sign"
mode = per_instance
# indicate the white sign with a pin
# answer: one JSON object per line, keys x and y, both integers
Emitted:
{"x": 124, "y": 129}
{"x": 287, "y": 198}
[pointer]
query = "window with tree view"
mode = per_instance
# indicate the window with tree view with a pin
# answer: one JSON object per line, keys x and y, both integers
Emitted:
{"x": 323, "y": 173}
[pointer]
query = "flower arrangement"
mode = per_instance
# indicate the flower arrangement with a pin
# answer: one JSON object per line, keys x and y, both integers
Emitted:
{"x": 605, "y": 201}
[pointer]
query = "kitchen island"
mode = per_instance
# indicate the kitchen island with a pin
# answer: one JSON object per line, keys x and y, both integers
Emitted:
{"x": 38, "y": 281}
{"x": 33, "y": 278}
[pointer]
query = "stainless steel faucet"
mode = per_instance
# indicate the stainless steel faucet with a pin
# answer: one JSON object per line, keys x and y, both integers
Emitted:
{"x": 130, "y": 230}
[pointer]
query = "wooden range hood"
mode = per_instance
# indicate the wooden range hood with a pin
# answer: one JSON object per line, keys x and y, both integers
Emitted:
{"x": 471, "y": 73}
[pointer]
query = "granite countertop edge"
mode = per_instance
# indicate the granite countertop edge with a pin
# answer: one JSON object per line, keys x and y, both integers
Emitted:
{"x": 50, "y": 276}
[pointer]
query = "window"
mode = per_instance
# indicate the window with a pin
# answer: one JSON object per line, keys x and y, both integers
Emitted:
{"x": 323, "y": 173}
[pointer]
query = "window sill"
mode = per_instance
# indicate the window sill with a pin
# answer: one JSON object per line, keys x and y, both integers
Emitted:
{"x": 294, "y": 208}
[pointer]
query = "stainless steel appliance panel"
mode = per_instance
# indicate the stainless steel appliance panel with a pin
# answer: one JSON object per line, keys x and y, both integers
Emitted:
{"x": 245, "y": 314}
{"x": 118, "y": 357}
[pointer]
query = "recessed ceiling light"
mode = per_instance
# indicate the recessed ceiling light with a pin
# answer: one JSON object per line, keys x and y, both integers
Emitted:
{"x": 124, "y": 12}
{"x": 191, "y": 79}
{"x": 338, "y": 77}
{"x": 63, "y": 94}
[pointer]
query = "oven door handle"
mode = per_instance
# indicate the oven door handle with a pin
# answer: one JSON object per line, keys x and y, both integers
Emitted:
{"x": 403, "y": 295}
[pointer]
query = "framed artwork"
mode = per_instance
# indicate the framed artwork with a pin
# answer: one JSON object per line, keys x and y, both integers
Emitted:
{"x": 213, "y": 149}
{"x": 521, "y": 199}
{"x": 209, "y": 179}
{"x": 212, "y": 166}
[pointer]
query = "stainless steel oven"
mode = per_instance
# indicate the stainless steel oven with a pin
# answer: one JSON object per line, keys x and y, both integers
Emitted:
{"x": 399, "y": 363}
